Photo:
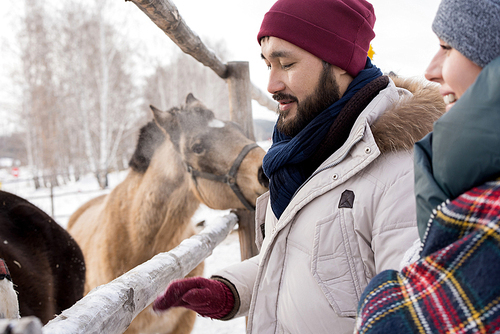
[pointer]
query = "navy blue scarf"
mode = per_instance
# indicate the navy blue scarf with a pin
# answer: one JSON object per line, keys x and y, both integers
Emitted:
{"x": 286, "y": 161}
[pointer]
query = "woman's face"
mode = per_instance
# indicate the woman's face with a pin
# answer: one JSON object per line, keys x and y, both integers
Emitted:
{"x": 453, "y": 71}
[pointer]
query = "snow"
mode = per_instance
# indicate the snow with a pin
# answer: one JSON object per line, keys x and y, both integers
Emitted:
{"x": 68, "y": 197}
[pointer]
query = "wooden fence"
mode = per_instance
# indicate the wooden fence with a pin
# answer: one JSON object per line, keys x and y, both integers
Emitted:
{"x": 110, "y": 308}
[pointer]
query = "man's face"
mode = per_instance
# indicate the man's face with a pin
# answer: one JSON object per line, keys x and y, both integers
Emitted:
{"x": 300, "y": 82}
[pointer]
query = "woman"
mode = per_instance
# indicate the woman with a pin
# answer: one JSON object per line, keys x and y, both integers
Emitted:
{"x": 455, "y": 285}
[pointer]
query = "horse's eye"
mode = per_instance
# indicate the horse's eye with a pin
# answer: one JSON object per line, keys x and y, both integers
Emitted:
{"x": 198, "y": 148}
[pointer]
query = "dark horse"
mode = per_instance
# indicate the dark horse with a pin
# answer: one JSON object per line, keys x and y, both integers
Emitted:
{"x": 45, "y": 263}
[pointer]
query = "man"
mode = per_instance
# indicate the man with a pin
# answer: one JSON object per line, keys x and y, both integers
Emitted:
{"x": 340, "y": 207}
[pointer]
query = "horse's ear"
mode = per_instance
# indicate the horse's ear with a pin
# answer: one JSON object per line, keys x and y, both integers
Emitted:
{"x": 190, "y": 99}
{"x": 168, "y": 122}
{"x": 162, "y": 118}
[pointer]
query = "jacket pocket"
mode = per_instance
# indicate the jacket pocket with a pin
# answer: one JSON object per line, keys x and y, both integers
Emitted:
{"x": 336, "y": 262}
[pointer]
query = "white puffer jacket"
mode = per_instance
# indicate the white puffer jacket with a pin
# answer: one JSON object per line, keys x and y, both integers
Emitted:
{"x": 353, "y": 218}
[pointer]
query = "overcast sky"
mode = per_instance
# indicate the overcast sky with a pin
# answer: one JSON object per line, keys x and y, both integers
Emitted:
{"x": 404, "y": 41}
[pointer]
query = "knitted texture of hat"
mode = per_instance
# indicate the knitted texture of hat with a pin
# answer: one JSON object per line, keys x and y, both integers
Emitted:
{"x": 336, "y": 31}
{"x": 472, "y": 27}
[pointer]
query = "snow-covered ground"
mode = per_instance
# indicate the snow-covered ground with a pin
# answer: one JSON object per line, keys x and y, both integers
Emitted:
{"x": 69, "y": 197}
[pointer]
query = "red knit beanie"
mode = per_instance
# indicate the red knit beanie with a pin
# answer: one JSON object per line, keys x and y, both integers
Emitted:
{"x": 336, "y": 31}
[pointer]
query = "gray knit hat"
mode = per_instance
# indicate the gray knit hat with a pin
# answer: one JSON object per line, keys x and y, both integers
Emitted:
{"x": 472, "y": 27}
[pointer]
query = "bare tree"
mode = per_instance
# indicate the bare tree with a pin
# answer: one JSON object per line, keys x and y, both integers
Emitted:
{"x": 79, "y": 98}
{"x": 39, "y": 103}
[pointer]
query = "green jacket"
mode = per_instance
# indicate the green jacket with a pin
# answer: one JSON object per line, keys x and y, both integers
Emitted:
{"x": 463, "y": 151}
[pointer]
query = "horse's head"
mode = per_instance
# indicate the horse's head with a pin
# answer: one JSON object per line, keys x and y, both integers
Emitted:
{"x": 225, "y": 166}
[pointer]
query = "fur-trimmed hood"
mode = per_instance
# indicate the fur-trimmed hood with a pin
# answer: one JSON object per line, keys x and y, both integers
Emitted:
{"x": 409, "y": 120}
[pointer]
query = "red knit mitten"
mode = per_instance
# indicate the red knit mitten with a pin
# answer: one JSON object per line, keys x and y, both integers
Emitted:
{"x": 207, "y": 297}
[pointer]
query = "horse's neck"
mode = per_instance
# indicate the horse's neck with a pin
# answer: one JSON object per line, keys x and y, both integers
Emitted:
{"x": 161, "y": 203}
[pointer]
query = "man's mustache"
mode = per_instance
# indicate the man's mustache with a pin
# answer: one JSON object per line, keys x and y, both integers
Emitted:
{"x": 282, "y": 96}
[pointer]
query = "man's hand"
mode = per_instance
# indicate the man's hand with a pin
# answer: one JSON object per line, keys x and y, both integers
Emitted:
{"x": 207, "y": 297}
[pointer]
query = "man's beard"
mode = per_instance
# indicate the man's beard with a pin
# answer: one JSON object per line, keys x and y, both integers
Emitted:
{"x": 326, "y": 93}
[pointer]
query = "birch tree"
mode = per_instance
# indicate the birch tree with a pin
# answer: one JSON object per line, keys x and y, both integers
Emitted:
{"x": 79, "y": 98}
{"x": 99, "y": 88}
{"x": 39, "y": 93}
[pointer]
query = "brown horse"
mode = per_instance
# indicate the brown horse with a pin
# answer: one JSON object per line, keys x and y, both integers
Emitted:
{"x": 183, "y": 158}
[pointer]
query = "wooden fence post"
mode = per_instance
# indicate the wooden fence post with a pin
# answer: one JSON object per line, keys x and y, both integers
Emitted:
{"x": 240, "y": 96}
{"x": 240, "y": 109}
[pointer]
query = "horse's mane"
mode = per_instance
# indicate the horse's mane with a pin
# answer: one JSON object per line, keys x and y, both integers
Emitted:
{"x": 150, "y": 138}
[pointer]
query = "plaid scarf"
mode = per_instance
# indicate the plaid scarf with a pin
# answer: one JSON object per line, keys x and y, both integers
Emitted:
{"x": 455, "y": 286}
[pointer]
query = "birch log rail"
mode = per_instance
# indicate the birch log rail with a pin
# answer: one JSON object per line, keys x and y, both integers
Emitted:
{"x": 166, "y": 16}
{"x": 110, "y": 308}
